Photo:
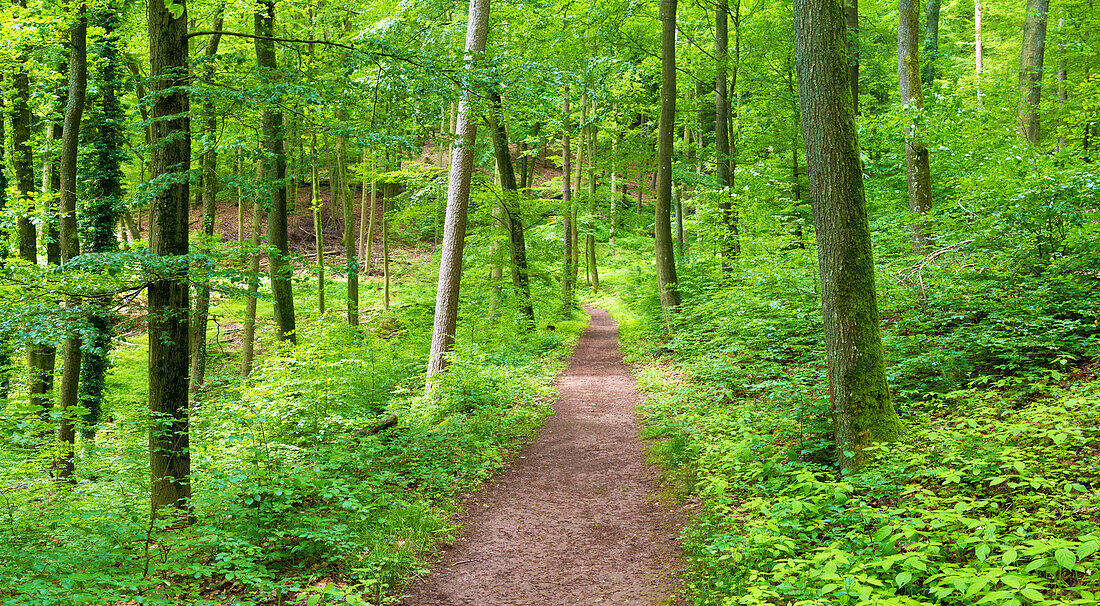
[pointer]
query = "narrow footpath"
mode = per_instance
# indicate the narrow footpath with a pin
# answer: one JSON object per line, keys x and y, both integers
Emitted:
{"x": 576, "y": 518}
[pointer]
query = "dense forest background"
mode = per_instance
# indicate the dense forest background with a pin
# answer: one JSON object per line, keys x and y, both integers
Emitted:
{"x": 237, "y": 366}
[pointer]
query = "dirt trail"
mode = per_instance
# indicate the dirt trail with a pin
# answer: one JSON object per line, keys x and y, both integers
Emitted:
{"x": 575, "y": 520}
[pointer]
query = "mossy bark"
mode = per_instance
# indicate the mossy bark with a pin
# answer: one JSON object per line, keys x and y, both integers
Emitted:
{"x": 863, "y": 411}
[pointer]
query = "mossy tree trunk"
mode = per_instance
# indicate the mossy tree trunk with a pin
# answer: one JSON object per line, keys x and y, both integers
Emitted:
{"x": 275, "y": 179}
{"x": 1031, "y": 69}
{"x": 912, "y": 102}
{"x": 862, "y": 408}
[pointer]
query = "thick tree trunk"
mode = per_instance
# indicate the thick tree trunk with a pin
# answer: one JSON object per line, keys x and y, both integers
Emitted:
{"x": 862, "y": 408}
{"x": 458, "y": 198}
{"x": 169, "y": 441}
{"x": 912, "y": 101}
{"x": 275, "y": 162}
{"x": 210, "y": 188}
{"x": 69, "y": 234}
{"x": 513, "y": 221}
{"x": 1031, "y": 69}
{"x": 930, "y": 69}
{"x": 662, "y": 229}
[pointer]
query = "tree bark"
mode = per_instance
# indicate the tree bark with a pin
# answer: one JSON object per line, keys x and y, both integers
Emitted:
{"x": 930, "y": 69}
{"x": 1061, "y": 76}
{"x": 1031, "y": 69}
{"x": 912, "y": 101}
{"x": 590, "y": 238}
{"x": 513, "y": 221}
{"x": 249, "y": 339}
{"x": 351, "y": 259}
{"x": 662, "y": 229}
{"x": 458, "y": 198}
{"x": 210, "y": 184}
{"x": 70, "y": 241}
{"x": 169, "y": 433}
{"x": 851, "y": 24}
{"x": 862, "y": 408}
{"x": 567, "y": 286}
{"x": 23, "y": 158}
{"x": 318, "y": 225}
{"x": 275, "y": 163}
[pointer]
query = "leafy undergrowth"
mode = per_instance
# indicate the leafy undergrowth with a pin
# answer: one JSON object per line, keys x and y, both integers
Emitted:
{"x": 295, "y": 500}
{"x": 992, "y": 497}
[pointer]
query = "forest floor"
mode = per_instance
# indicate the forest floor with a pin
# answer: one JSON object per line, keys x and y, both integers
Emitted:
{"x": 579, "y": 518}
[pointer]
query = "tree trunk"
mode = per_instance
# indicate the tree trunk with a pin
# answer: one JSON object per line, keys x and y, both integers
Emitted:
{"x": 1031, "y": 69}
{"x": 363, "y": 209}
{"x": 209, "y": 159}
{"x": 318, "y": 225}
{"x": 69, "y": 234}
{"x": 1061, "y": 76}
{"x": 590, "y": 238}
{"x": 613, "y": 208}
{"x": 978, "y": 47}
{"x": 662, "y": 229}
{"x": 722, "y": 142}
{"x": 930, "y": 69}
{"x": 42, "y": 359}
{"x": 567, "y": 215}
{"x": 351, "y": 259}
{"x": 387, "y": 203}
{"x": 373, "y": 204}
{"x": 851, "y": 24}
{"x": 513, "y": 221}
{"x": 458, "y": 198}
{"x": 249, "y": 339}
{"x": 169, "y": 448}
{"x": 275, "y": 162}
{"x": 23, "y": 159}
{"x": 912, "y": 101}
{"x": 862, "y": 408}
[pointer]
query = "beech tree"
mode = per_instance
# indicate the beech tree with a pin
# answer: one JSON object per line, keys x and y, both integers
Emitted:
{"x": 458, "y": 198}
{"x": 863, "y": 411}
{"x": 662, "y": 229}
{"x": 1031, "y": 68}
{"x": 169, "y": 429}
{"x": 912, "y": 103}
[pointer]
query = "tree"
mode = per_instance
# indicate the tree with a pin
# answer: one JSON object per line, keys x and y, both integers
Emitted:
{"x": 209, "y": 160}
{"x": 930, "y": 69}
{"x": 662, "y": 229}
{"x": 275, "y": 178}
{"x": 169, "y": 428}
{"x": 912, "y": 102}
{"x": 69, "y": 234}
{"x": 1031, "y": 69}
{"x": 458, "y": 198}
{"x": 862, "y": 408}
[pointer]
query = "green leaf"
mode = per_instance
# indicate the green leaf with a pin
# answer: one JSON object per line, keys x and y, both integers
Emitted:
{"x": 1031, "y": 594}
{"x": 883, "y": 532}
{"x": 1009, "y": 556}
{"x": 982, "y": 552}
{"x": 1084, "y": 550}
{"x": 831, "y": 587}
{"x": 903, "y": 578}
{"x": 1065, "y": 558}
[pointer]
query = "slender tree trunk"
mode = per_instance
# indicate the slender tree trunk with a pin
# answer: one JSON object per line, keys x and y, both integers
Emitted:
{"x": 1031, "y": 69}
{"x": 931, "y": 42}
{"x": 512, "y": 219}
{"x": 363, "y": 209}
{"x": 169, "y": 449}
{"x": 912, "y": 100}
{"x": 1061, "y": 76}
{"x": 722, "y": 133}
{"x": 42, "y": 359}
{"x": 613, "y": 209}
{"x": 370, "y": 228}
{"x": 318, "y": 226}
{"x": 249, "y": 339}
{"x": 387, "y": 204}
{"x": 666, "y": 262}
{"x": 23, "y": 159}
{"x": 351, "y": 260}
{"x": 458, "y": 197}
{"x": 70, "y": 242}
{"x": 210, "y": 187}
{"x": 240, "y": 197}
{"x": 851, "y": 24}
{"x": 978, "y": 47}
{"x": 862, "y": 408}
{"x": 278, "y": 260}
{"x": 590, "y": 239}
{"x": 567, "y": 215}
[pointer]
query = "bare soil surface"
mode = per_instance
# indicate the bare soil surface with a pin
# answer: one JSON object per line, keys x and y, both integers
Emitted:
{"x": 577, "y": 519}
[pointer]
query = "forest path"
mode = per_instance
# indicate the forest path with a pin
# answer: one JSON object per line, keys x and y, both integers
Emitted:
{"x": 576, "y": 519}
